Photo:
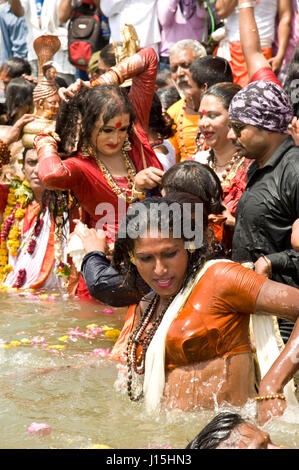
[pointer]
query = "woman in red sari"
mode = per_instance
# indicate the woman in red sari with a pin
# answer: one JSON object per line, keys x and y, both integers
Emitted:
{"x": 102, "y": 132}
{"x": 222, "y": 154}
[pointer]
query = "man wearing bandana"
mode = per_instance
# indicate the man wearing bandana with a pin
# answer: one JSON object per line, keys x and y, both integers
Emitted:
{"x": 259, "y": 116}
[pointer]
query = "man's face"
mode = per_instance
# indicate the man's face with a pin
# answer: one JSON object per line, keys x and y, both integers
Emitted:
{"x": 193, "y": 94}
{"x": 180, "y": 62}
{"x": 250, "y": 141}
{"x": 31, "y": 174}
{"x": 247, "y": 436}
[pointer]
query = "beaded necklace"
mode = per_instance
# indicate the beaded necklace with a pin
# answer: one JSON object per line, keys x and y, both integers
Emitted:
{"x": 142, "y": 337}
{"x": 181, "y": 137}
{"x": 116, "y": 188}
{"x": 231, "y": 167}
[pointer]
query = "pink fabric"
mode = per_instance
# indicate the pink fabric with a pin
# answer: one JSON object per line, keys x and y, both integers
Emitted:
{"x": 175, "y": 27}
{"x": 265, "y": 74}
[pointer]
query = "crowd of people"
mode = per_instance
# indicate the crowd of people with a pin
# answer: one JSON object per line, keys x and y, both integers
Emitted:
{"x": 171, "y": 156}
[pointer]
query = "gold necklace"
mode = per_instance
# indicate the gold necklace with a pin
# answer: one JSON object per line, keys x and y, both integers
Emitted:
{"x": 236, "y": 160}
{"x": 129, "y": 195}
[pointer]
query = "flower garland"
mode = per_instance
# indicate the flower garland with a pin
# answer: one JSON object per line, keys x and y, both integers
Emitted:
{"x": 20, "y": 195}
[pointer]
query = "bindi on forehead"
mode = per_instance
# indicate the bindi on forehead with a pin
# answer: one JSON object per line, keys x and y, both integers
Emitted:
{"x": 118, "y": 124}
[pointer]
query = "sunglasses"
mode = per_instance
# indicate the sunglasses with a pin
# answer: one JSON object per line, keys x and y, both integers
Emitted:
{"x": 237, "y": 127}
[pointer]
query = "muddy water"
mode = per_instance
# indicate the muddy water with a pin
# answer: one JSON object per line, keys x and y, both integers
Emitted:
{"x": 53, "y": 370}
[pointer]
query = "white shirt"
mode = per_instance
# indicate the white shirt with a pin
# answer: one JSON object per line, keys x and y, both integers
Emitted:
{"x": 49, "y": 25}
{"x": 265, "y": 14}
{"x": 142, "y": 14}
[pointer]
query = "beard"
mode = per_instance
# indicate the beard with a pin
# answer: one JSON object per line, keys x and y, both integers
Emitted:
{"x": 182, "y": 86}
{"x": 241, "y": 151}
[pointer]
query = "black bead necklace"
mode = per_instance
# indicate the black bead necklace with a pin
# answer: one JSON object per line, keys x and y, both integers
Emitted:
{"x": 141, "y": 337}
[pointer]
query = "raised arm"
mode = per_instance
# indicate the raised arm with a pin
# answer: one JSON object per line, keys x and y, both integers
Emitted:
{"x": 166, "y": 11}
{"x": 16, "y": 7}
{"x": 250, "y": 39}
{"x": 65, "y": 10}
{"x": 142, "y": 68}
{"x": 280, "y": 373}
{"x": 225, "y": 7}
{"x": 283, "y": 33}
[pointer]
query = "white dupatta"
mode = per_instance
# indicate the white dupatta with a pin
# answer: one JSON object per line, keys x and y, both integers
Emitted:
{"x": 154, "y": 377}
{"x": 266, "y": 337}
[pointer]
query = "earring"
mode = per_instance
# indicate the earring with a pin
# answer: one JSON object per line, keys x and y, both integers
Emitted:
{"x": 191, "y": 248}
{"x": 132, "y": 258}
{"x": 127, "y": 144}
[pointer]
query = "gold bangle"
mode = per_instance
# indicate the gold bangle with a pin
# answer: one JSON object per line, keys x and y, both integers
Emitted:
{"x": 271, "y": 397}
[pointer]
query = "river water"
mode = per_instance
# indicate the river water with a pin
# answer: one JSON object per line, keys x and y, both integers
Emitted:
{"x": 54, "y": 371}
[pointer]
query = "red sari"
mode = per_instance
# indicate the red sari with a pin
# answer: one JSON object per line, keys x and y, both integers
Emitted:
{"x": 81, "y": 174}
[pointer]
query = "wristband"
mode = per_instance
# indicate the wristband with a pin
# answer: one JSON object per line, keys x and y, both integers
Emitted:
{"x": 247, "y": 5}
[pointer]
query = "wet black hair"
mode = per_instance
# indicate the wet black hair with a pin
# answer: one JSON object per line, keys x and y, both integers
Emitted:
{"x": 133, "y": 227}
{"x": 209, "y": 70}
{"x": 216, "y": 431}
{"x": 196, "y": 179}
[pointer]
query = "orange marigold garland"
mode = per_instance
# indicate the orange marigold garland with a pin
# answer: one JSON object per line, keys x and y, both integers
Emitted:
{"x": 19, "y": 196}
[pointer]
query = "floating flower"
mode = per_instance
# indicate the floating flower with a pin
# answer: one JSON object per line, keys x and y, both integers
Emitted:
{"x": 40, "y": 429}
{"x": 57, "y": 346}
{"x": 25, "y": 341}
{"x": 102, "y": 352}
{"x": 64, "y": 338}
{"x": 15, "y": 343}
{"x": 107, "y": 311}
{"x": 112, "y": 334}
{"x": 38, "y": 340}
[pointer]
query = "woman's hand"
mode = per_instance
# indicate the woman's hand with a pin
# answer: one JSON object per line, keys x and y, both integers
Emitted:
{"x": 275, "y": 63}
{"x": 72, "y": 90}
{"x": 294, "y": 130}
{"x": 92, "y": 240}
{"x": 230, "y": 219}
{"x": 148, "y": 178}
{"x": 266, "y": 409}
{"x": 13, "y": 132}
{"x": 263, "y": 266}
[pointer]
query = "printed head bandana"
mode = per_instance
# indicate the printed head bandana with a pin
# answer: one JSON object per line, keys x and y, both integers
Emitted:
{"x": 262, "y": 104}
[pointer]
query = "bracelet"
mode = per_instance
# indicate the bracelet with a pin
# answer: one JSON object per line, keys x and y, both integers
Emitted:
{"x": 5, "y": 154}
{"x": 247, "y": 5}
{"x": 271, "y": 397}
